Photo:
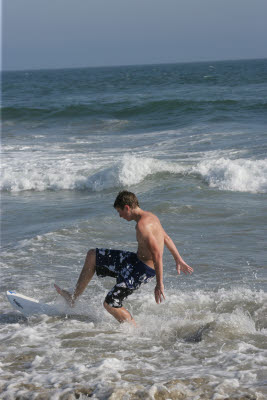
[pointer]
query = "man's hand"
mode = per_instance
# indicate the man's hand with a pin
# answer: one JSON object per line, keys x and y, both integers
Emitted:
{"x": 184, "y": 267}
{"x": 159, "y": 293}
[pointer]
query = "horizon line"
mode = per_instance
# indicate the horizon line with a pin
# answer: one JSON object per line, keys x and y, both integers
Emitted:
{"x": 131, "y": 65}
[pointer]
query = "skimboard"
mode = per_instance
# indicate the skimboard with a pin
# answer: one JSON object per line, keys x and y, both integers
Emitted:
{"x": 29, "y": 306}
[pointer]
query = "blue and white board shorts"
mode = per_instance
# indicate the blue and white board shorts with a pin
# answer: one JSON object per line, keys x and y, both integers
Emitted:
{"x": 129, "y": 271}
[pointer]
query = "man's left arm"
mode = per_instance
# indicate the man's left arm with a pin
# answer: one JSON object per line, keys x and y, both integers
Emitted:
{"x": 180, "y": 263}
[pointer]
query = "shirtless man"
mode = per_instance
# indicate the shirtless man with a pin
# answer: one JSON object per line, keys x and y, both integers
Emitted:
{"x": 130, "y": 269}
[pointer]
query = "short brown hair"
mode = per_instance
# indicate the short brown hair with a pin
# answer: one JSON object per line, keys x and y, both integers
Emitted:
{"x": 126, "y": 198}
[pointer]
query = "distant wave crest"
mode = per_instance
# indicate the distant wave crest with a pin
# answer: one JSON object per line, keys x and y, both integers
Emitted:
{"x": 128, "y": 109}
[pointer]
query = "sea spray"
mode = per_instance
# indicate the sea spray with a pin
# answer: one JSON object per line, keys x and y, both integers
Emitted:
{"x": 240, "y": 175}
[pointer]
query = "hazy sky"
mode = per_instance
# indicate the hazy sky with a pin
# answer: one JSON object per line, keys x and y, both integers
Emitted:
{"x": 73, "y": 33}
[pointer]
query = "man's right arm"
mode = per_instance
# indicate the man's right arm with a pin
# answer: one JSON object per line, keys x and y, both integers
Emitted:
{"x": 180, "y": 263}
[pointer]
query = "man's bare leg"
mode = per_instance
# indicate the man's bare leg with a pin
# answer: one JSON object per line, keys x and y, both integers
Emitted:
{"x": 84, "y": 278}
{"x": 121, "y": 314}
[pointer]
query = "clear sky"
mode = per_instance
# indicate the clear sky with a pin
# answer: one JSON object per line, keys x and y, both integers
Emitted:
{"x": 81, "y": 33}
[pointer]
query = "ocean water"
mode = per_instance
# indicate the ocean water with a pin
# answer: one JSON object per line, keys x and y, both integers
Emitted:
{"x": 190, "y": 141}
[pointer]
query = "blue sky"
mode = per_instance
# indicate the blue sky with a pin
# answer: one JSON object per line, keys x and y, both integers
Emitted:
{"x": 80, "y": 33}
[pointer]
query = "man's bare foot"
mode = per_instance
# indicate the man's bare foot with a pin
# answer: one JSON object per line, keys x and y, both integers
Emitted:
{"x": 66, "y": 295}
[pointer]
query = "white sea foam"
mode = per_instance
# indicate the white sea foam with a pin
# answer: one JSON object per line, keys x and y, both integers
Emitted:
{"x": 239, "y": 175}
{"x": 64, "y": 355}
{"x": 34, "y": 171}
{"x": 131, "y": 170}
{"x": 39, "y": 171}
{"x": 188, "y": 336}
{"x": 79, "y": 173}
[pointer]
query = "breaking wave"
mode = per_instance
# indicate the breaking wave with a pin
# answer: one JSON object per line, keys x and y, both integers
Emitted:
{"x": 239, "y": 175}
{"x": 35, "y": 173}
{"x": 79, "y": 175}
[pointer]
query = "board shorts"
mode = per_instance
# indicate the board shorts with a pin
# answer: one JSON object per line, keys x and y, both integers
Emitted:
{"x": 129, "y": 271}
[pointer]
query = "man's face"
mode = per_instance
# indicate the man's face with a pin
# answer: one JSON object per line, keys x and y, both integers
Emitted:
{"x": 124, "y": 213}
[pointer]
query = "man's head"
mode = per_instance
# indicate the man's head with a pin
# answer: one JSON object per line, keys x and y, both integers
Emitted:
{"x": 126, "y": 198}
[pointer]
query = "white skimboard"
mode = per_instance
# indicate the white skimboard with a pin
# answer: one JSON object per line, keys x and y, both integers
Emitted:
{"x": 28, "y": 306}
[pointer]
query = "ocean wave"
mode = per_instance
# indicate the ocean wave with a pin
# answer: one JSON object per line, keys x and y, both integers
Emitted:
{"x": 32, "y": 113}
{"x": 80, "y": 175}
{"x": 39, "y": 173}
{"x": 128, "y": 108}
{"x": 132, "y": 170}
{"x": 17, "y": 113}
{"x": 240, "y": 175}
